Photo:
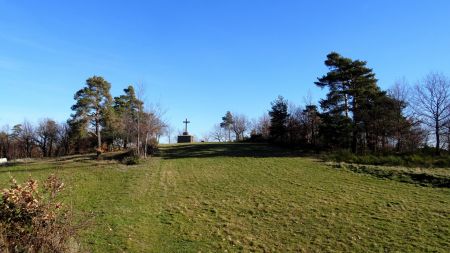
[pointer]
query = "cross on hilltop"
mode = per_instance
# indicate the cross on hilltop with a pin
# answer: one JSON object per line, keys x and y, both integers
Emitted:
{"x": 186, "y": 137}
{"x": 186, "y": 122}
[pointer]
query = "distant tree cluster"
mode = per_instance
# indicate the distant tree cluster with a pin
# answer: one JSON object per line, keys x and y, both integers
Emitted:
{"x": 99, "y": 122}
{"x": 234, "y": 127}
{"x": 356, "y": 114}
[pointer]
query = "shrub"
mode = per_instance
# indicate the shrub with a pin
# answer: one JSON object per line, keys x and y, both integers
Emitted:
{"x": 152, "y": 146}
{"x": 33, "y": 221}
{"x": 342, "y": 156}
{"x": 131, "y": 160}
{"x": 130, "y": 157}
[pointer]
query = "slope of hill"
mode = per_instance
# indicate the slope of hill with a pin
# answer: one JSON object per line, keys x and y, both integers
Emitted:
{"x": 243, "y": 197}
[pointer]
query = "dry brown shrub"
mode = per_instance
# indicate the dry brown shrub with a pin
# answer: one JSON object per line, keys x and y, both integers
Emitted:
{"x": 33, "y": 221}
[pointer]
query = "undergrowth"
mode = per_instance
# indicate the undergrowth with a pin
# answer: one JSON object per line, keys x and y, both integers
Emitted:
{"x": 34, "y": 221}
{"x": 406, "y": 176}
{"x": 405, "y": 160}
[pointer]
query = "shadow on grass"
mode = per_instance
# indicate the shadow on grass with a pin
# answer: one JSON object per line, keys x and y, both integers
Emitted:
{"x": 37, "y": 169}
{"x": 48, "y": 167}
{"x": 226, "y": 150}
{"x": 423, "y": 179}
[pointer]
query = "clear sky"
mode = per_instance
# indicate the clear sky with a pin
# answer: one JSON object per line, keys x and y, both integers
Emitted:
{"x": 198, "y": 59}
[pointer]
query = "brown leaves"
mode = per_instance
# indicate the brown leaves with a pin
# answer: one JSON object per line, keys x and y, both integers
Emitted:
{"x": 31, "y": 221}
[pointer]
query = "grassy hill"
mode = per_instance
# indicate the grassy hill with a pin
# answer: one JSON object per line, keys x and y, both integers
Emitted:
{"x": 243, "y": 197}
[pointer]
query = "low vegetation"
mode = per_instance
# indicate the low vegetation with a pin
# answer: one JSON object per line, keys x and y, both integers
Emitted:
{"x": 244, "y": 197}
{"x": 420, "y": 159}
{"x": 424, "y": 177}
{"x": 32, "y": 220}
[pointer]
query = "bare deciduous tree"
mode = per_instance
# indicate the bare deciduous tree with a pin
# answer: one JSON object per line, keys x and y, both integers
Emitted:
{"x": 400, "y": 92}
{"x": 431, "y": 103}
{"x": 240, "y": 126}
{"x": 153, "y": 126}
{"x": 262, "y": 126}
{"x": 27, "y": 137}
{"x": 218, "y": 133}
{"x": 205, "y": 137}
{"x": 169, "y": 132}
{"x": 63, "y": 139}
{"x": 46, "y": 134}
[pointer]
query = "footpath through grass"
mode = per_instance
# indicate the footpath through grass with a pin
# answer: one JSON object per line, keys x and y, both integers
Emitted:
{"x": 243, "y": 197}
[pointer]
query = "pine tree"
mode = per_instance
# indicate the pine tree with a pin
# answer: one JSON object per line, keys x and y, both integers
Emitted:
{"x": 92, "y": 105}
{"x": 127, "y": 107}
{"x": 352, "y": 86}
{"x": 227, "y": 123}
{"x": 278, "y": 119}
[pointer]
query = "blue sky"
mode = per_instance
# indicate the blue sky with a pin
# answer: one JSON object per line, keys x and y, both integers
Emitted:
{"x": 198, "y": 59}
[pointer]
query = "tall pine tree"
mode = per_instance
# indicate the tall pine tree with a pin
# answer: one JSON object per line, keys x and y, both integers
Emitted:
{"x": 352, "y": 89}
{"x": 93, "y": 103}
{"x": 127, "y": 108}
{"x": 227, "y": 123}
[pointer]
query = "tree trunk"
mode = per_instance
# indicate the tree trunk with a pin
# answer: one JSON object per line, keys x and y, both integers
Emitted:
{"x": 50, "y": 148}
{"x": 138, "y": 133}
{"x": 346, "y": 105}
{"x": 99, "y": 138}
{"x": 44, "y": 148}
{"x": 438, "y": 141}
{"x": 146, "y": 143}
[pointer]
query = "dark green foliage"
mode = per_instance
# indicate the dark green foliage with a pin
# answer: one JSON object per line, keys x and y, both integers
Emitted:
{"x": 227, "y": 123}
{"x": 129, "y": 116}
{"x": 93, "y": 104}
{"x": 278, "y": 120}
{"x": 357, "y": 114}
{"x": 335, "y": 131}
{"x": 130, "y": 157}
{"x": 131, "y": 160}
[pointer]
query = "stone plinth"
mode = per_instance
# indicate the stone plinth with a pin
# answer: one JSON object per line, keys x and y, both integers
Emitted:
{"x": 185, "y": 138}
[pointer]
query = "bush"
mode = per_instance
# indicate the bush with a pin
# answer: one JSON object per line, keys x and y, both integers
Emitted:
{"x": 152, "y": 146}
{"x": 130, "y": 157}
{"x": 342, "y": 156}
{"x": 31, "y": 221}
{"x": 131, "y": 160}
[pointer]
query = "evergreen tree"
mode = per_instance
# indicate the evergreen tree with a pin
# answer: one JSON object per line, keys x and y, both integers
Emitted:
{"x": 127, "y": 107}
{"x": 93, "y": 102}
{"x": 227, "y": 123}
{"x": 278, "y": 119}
{"x": 352, "y": 87}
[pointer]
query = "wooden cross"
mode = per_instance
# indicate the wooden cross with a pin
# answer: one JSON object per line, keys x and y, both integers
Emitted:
{"x": 186, "y": 122}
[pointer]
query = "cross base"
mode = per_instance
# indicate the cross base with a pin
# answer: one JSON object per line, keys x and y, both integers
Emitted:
{"x": 185, "y": 138}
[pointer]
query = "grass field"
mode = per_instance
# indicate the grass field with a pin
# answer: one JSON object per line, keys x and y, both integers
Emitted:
{"x": 243, "y": 197}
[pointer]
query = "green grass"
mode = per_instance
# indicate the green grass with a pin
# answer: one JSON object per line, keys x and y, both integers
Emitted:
{"x": 243, "y": 197}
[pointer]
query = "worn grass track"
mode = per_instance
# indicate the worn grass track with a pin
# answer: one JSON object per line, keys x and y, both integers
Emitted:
{"x": 242, "y": 197}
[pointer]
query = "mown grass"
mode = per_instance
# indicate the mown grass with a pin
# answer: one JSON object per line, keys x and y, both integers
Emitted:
{"x": 243, "y": 197}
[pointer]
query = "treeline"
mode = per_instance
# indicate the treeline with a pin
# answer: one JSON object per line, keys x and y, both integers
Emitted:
{"x": 99, "y": 123}
{"x": 356, "y": 115}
